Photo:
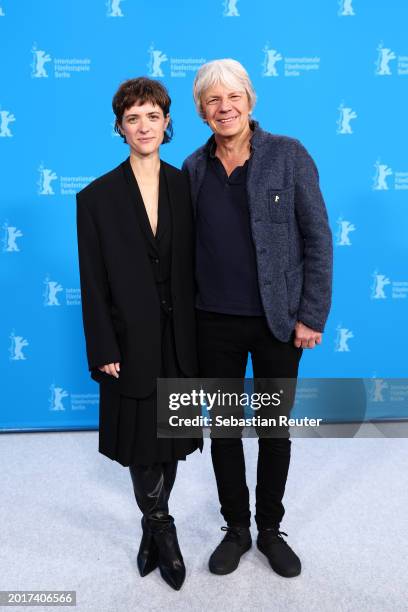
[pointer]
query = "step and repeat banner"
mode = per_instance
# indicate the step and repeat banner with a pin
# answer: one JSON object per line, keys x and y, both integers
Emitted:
{"x": 332, "y": 73}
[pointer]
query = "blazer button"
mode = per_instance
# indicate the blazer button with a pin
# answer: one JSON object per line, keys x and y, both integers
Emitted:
{"x": 157, "y": 261}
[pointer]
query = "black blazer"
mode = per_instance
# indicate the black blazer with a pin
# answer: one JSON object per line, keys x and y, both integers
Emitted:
{"x": 120, "y": 304}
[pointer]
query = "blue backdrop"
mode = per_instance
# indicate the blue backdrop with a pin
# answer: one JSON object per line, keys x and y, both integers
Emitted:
{"x": 332, "y": 73}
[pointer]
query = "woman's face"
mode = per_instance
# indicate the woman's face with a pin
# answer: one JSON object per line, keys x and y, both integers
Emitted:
{"x": 144, "y": 125}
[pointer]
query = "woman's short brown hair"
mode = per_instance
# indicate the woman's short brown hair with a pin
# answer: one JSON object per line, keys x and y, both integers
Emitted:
{"x": 139, "y": 91}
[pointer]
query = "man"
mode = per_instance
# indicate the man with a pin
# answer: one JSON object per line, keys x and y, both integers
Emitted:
{"x": 264, "y": 275}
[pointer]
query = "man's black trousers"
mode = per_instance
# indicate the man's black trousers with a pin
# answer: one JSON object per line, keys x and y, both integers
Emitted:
{"x": 224, "y": 342}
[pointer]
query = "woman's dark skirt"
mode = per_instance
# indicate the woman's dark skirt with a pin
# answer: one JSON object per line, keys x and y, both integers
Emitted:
{"x": 128, "y": 425}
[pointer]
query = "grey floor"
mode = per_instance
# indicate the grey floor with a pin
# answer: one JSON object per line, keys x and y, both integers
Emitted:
{"x": 69, "y": 521}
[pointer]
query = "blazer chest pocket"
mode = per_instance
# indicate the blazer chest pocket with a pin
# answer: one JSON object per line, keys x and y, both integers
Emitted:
{"x": 281, "y": 204}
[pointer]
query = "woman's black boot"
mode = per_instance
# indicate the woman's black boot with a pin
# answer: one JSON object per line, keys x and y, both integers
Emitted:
{"x": 148, "y": 486}
{"x": 152, "y": 486}
{"x": 148, "y": 555}
{"x": 171, "y": 563}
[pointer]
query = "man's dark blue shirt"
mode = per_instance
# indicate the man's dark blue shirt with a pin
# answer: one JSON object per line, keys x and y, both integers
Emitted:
{"x": 226, "y": 269}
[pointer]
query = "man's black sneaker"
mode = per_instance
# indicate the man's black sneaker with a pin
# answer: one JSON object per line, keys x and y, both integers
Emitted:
{"x": 225, "y": 558}
{"x": 281, "y": 557}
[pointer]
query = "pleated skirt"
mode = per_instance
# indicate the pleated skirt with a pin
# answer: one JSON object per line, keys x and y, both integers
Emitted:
{"x": 128, "y": 425}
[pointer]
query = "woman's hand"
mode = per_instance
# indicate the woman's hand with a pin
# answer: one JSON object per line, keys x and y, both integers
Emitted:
{"x": 111, "y": 368}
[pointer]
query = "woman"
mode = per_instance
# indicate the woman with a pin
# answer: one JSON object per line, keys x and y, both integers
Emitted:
{"x": 135, "y": 243}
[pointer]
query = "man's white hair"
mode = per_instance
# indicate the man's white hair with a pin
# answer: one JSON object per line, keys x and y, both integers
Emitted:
{"x": 227, "y": 72}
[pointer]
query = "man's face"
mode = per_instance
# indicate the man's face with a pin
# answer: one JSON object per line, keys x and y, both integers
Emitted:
{"x": 225, "y": 110}
{"x": 144, "y": 126}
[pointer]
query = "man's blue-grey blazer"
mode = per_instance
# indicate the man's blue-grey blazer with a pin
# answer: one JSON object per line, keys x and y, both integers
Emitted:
{"x": 290, "y": 230}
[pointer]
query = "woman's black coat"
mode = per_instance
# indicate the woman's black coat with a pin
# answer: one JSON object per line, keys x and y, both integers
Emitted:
{"x": 120, "y": 304}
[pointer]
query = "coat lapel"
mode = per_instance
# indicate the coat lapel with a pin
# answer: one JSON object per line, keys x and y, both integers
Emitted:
{"x": 126, "y": 219}
{"x": 176, "y": 195}
{"x": 199, "y": 174}
{"x": 173, "y": 190}
{"x": 137, "y": 202}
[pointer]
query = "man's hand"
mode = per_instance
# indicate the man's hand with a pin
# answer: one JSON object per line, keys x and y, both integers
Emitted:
{"x": 111, "y": 368}
{"x": 305, "y": 337}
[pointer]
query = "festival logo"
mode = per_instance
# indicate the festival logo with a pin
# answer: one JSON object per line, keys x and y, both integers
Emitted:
{"x": 384, "y": 57}
{"x": 40, "y": 59}
{"x": 157, "y": 58}
{"x": 398, "y": 289}
{"x": 16, "y": 347}
{"x": 345, "y": 8}
{"x": 5, "y": 119}
{"x": 10, "y": 236}
{"x": 47, "y": 176}
{"x": 61, "y": 67}
{"x": 51, "y": 291}
{"x": 343, "y": 233}
{"x": 230, "y": 8}
{"x": 377, "y": 388}
{"x": 379, "y": 283}
{"x": 272, "y": 57}
{"x": 179, "y": 66}
{"x": 382, "y": 182}
{"x": 382, "y": 171}
{"x": 57, "y": 394}
{"x": 385, "y": 64}
{"x": 68, "y": 185}
{"x": 113, "y": 8}
{"x": 342, "y": 338}
{"x": 346, "y": 114}
{"x": 292, "y": 66}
